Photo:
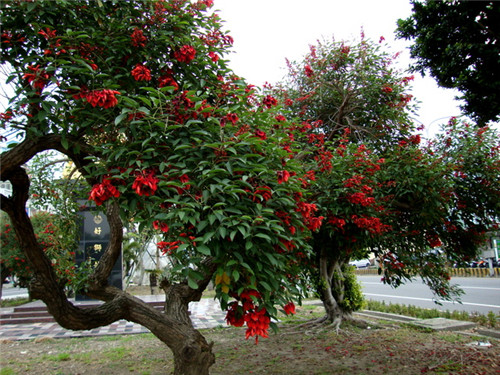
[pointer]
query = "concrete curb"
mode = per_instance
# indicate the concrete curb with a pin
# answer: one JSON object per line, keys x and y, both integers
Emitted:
{"x": 435, "y": 324}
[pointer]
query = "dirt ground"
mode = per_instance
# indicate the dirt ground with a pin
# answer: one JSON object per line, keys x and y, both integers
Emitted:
{"x": 378, "y": 348}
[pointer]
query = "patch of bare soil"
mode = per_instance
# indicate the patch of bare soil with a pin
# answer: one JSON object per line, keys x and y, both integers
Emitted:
{"x": 374, "y": 349}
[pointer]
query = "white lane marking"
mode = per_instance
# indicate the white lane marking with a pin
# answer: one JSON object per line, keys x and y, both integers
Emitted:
{"x": 431, "y": 300}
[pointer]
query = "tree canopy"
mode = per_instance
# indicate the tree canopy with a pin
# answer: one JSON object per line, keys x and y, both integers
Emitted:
{"x": 138, "y": 95}
{"x": 458, "y": 43}
{"x": 257, "y": 196}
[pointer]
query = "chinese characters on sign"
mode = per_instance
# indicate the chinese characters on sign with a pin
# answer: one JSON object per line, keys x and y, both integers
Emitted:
{"x": 94, "y": 239}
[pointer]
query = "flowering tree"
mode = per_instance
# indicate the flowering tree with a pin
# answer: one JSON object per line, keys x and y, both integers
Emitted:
{"x": 376, "y": 188}
{"x": 52, "y": 240}
{"x": 138, "y": 96}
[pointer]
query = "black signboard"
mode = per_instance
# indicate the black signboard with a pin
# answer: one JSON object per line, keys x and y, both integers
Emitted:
{"x": 94, "y": 239}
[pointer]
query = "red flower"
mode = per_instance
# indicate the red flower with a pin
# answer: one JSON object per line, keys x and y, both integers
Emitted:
{"x": 145, "y": 183}
{"x": 232, "y": 117}
{"x": 157, "y": 224}
{"x": 336, "y": 222}
{"x": 102, "y": 98}
{"x": 308, "y": 71}
{"x": 289, "y": 308}
{"x": 283, "y": 176}
{"x": 415, "y": 139}
{"x": 103, "y": 191}
{"x": 141, "y": 73}
{"x": 387, "y": 89}
{"x": 47, "y": 33}
{"x": 235, "y": 316}
{"x": 433, "y": 240}
{"x": 185, "y": 54}
{"x": 314, "y": 223}
{"x": 258, "y": 324}
{"x": 167, "y": 80}
{"x": 269, "y": 101}
{"x": 168, "y": 247}
{"x": 361, "y": 198}
{"x": 138, "y": 38}
{"x": 264, "y": 192}
{"x": 213, "y": 56}
{"x": 261, "y": 134}
{"x": 39, "y": 77}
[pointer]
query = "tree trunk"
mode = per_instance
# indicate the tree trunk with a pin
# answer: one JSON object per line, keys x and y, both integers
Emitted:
{"x": 331, "y": 284}
{"x": 192, "y": 354}
{"x": 332, "y": 290}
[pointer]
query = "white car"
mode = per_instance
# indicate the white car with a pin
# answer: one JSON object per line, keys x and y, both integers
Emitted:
{"x": 363, "y": 263}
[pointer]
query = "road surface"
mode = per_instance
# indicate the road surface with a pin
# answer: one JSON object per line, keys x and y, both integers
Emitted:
{"x": 482, "y": 294}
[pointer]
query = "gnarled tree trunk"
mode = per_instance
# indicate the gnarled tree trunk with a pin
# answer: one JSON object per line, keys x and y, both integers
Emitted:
{"x": 192, "y": 354}
{"x": 331, "y": 280}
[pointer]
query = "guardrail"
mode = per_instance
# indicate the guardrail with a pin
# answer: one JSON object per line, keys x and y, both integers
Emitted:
{"x": 457, "y": 272}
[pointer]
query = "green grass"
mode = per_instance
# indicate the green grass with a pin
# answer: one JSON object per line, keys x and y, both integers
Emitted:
{"x": 12, "y": 302}
{"x": 490, "y": 320}
{"x": 6, "y": 371}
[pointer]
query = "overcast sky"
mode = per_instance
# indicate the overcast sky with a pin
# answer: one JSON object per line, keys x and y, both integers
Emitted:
{"x": 266, "y": 32}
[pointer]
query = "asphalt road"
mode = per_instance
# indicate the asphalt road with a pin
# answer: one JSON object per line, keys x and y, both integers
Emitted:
{"x": 9, "y": 292}
{"x": 482, "y": 294}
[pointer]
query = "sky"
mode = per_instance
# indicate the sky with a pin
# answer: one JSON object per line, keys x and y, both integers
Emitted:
{"x": 266, "y": 32}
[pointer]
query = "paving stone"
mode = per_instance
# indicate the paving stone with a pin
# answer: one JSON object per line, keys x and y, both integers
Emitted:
{"x": 204, "y": 314}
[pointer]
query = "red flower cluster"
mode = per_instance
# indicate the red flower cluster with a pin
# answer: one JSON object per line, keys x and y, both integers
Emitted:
{"x": 157, "y": 224}
{"x": 264, "y": 192}
{"x": 168, "y": 247}
{"x": 433, "y": 240}
{"x": 372, "y": 224}
{"x": 232, "y": 117}
{"x": 257, "y": 320}
{"x": 387, "y": 89}
{"x": 258, "y": 324}
{"x": 261, "y": 134}
{"x": 145, "y": 183}
{"x": 101, "y": 98}
{"x": 213, "y": 56}
{"x": 138, "y": 38}
{"x": 336, "y": 222}
{"x": 308, "y": 71}
{"x": 103, "y": 191}
{"x": 167, "y": 81}
{"x": 289, "y": 308}
{"x": 185, "y": 54}
{"x": 269, "y": 101}
{"x": 38, "y": 78}
{"x": 141, "y": 73}
{"x": 361, "y": 198}
{"x": 283, "y": 176}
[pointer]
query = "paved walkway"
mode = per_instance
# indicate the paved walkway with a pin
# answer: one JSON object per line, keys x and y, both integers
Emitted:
{"x": 204, "y": 314}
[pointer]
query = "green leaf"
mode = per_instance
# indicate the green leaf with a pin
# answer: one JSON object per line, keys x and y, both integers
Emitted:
{"x": 205, "y": 250}
{"x": 192, "y": 284}
{"x": 264, "y": 236}
{"x": 222, "y": 232}
{"x": 236, "y": 275}
{"x": 120, "y": 118}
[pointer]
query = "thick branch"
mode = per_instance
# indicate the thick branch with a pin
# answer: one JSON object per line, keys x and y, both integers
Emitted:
{"x": 24, "y": 151}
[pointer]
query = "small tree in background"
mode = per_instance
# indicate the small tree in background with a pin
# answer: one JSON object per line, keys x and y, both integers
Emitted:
{"x": 377, "y": 188}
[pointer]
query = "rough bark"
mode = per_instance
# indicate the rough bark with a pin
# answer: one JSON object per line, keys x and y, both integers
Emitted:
{"x": 195, "y": 355}
{"x": 331, "y": 286}
{"x": 192, "y": 354}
